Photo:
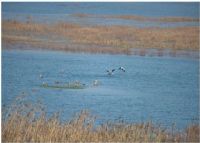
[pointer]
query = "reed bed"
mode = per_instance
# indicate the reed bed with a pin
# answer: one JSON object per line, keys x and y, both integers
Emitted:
{"x": 148, "y": 19}
{"x": 98, "y": 39}
{"x": 140, "y": 18}
{"x": 26, "y": 122}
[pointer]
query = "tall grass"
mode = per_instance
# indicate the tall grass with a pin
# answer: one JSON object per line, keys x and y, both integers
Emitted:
{"x": 98, "y": 39}
{"x": 26, "y": 122}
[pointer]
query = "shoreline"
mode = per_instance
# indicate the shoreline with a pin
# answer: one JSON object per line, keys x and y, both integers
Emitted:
{"x": 164, "y": 19}
{"x": 142, "y": 52}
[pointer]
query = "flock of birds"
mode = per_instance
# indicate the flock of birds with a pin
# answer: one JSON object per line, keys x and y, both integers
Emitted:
{"x": 95, "y": 82}
{"x": 110, "y": 72}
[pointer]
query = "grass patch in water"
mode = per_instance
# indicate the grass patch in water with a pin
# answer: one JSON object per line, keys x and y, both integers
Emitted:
{"x": 73, "y": 85}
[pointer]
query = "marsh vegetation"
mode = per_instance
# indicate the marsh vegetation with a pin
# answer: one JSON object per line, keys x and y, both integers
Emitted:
{"x": 98, "y": 39}
{"x": 26, "y": 122}
{"x": 140, "y": 18}
{"x": 71, "y": 85}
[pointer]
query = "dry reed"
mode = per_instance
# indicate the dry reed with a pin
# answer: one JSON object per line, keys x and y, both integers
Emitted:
{"x": 150, "y": 19}
{"x": 98, "y": 39}
{"x": 140, "y": 18}
{"x": 26, "y": 122}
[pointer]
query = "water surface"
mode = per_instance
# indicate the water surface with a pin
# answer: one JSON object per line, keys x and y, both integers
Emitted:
{"x": 55, "y": 12}
{"x": 152, "y": 9}
{"x": 161, "y": 89}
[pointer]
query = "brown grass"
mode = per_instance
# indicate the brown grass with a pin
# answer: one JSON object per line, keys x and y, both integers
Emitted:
{"x": 26, "y": 122}
{"x": 141, "y": 18}
{"x": 162, "y": 19}
{"x": 94, "y": 39}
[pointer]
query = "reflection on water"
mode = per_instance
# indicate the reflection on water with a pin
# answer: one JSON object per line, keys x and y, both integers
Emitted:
{"x": 163, "y": 89}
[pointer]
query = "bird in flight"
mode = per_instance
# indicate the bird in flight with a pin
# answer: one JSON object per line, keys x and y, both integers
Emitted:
{"x": 110, "y": 72}
{"x": 122, "y": 68}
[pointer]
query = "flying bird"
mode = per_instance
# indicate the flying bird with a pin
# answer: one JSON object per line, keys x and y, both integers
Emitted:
{"x": 110, "y": 72}
{"x": 122, "y": 68}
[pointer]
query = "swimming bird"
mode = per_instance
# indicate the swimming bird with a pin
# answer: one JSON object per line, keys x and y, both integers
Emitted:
{"x": 110, "y": 72}
{"x": 122, "y": 68}
{"x": 41, "y": 76}
{"x": 44, "y": 84}
{"x": 96, "y": 83}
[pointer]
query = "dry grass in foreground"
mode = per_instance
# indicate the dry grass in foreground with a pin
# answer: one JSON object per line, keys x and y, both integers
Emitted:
{"x": 29, "y": 123}
{"x": 98, "y": 39}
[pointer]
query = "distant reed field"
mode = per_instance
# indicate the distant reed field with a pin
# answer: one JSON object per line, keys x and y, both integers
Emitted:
{"x": 98, "y": 39}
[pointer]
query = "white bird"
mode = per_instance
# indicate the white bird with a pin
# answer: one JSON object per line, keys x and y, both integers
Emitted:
{"x": 96, "y": 83}
{"x": 44, "y": 84}
{"x": 41, "y": 76}
{"x": 110, "y": 72}
{"x": 122, "y": 68}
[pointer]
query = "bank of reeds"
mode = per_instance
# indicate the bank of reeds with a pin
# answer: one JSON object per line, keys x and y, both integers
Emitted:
{"x": 102, "y": 39}
{"x": 140, "y": 18}
{"x": 24, "y": 122}
{"x": 151, "y": 19}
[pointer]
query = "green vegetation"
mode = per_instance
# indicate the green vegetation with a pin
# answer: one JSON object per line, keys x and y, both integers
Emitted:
{"x": 26, "y": 122}
{"x": 73, "y": 85}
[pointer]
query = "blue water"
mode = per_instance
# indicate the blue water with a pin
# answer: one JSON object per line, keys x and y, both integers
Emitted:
{"x": 54, "y": 12}
{"x": 161, "y": 89}
{"x": 153, "y": 9}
